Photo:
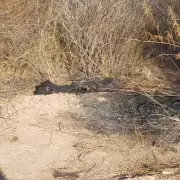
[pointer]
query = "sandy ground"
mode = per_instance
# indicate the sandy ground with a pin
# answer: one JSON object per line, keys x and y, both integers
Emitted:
{"x": 67, "y": 136}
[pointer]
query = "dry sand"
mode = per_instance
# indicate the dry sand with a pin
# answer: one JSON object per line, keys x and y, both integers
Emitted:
{"x": 68, "y": 136}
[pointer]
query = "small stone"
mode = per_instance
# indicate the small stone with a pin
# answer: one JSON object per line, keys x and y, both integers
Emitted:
{"x": 101, "y": 99}
{"x": 170, "y": 171}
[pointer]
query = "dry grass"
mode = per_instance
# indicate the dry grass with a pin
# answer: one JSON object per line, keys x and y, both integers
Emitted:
{"x": 27, "y": 36}
{"x": 88, "y": 38}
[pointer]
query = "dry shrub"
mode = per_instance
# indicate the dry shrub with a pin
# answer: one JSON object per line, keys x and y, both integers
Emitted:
{"x": 88, "y": 38}
{"x": 27, "y": 37}
{"x": 96, "y": 36}
{"x": 110, "y": 38}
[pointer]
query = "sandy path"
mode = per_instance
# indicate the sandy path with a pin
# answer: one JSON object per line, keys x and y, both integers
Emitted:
{"x": 40, "y": 134}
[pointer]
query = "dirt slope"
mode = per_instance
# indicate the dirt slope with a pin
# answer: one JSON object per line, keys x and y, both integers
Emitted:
{"x": 67, "y": 136}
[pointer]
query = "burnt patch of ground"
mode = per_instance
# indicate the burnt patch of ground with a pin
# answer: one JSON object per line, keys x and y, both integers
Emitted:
{"x": 152, "y": 116}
